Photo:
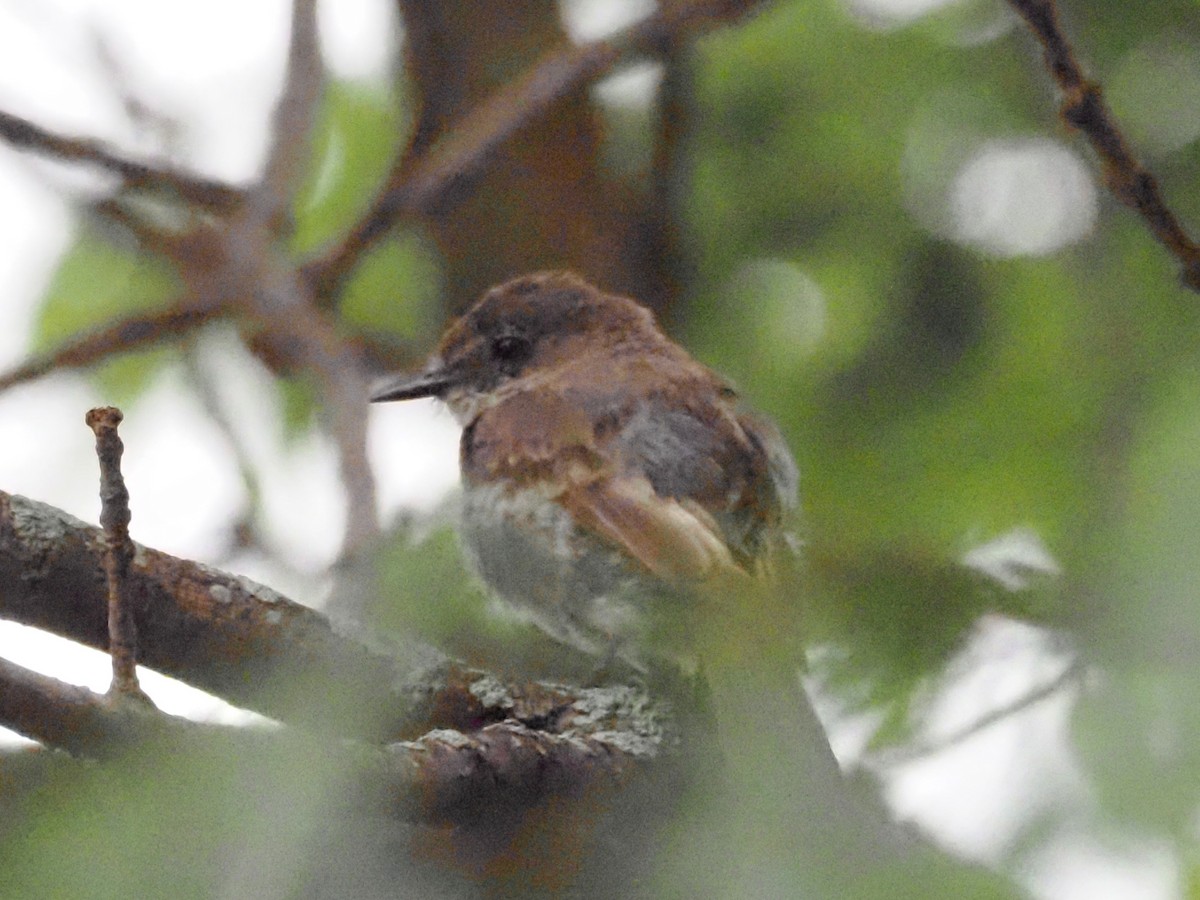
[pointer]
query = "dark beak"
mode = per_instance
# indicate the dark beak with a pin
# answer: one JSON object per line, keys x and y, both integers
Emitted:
{"x": 431, "y": 383}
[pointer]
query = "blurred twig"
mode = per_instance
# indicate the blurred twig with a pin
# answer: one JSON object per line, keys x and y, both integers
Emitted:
{"x": 294, "y": 114}
{"x": 280, "y": 302}
{"x": 1083, "y": 108}
{"x": 895, "y": 756}
{"x": 245, "y": 533}
{"x": 119, "y": 336}
{"x": 212, "y": 195}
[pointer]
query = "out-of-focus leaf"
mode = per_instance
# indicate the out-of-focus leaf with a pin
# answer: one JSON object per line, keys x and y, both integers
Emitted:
{"x": 245, "y": 817}
{"x": 99, "y": 280}
{"x": 1136, "y": 730}
{"x": 355, "y": 140}
{"x": 395, "y": 289}
{"x": 1135, "y": 738}
{"x": 414, "y": 571}
{"x": 299, "y": 405}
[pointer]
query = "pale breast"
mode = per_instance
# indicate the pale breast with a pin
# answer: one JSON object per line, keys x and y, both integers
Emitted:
{"x": 527, "y": 550}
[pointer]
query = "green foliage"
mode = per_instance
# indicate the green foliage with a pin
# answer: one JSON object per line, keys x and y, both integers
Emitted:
{"x": 428, "y": 593}
{"x": 395, "y": 289}
{"x": 210, "y": 814}
{"x": 355, "y": 140}
{"x": 415, "y": 569}
{"x": 298, "y": 407}
{"x": 99, "y": 280}
{"x": 937, "y": 396}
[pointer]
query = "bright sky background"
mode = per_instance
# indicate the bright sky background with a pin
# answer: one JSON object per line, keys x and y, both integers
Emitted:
{"x": 63, "y": 63}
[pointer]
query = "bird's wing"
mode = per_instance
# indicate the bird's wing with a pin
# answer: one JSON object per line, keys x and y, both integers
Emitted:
{"x": 675, "y": 540}
{"x": 542, "y": 441}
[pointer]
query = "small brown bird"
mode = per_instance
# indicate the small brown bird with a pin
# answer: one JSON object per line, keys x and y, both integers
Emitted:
{"x": 606, "y": 473}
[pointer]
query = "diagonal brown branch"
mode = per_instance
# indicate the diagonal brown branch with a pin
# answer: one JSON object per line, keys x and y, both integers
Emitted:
{"x": 219, "y": 632}
{"x": 423, "y": 183}
{"x": 1084, "y": 109}
{"x": 119, "y": 336}
{"x": 212, "y": 195}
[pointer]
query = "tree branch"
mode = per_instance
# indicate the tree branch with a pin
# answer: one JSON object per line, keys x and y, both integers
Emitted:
{"x": 293, "y": 117}
{"x": 122, "y": 335}
{"x": 443, "y": 777}
{"x": 212, "y": 195}
{"x": 255, "y": 648}
{"x": 1084, "y": 109}
{"x": 422, "y": 184}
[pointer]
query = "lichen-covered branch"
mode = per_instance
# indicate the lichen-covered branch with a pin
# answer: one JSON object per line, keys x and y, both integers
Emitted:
{"x": 255, "y": 648}
{"x": 443, "y": 777}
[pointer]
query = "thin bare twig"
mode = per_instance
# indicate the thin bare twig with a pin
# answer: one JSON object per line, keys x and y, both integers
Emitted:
{"x": 899, "y": 755}
{"x": 208, "y": 193}
{"x": 422, "y": 184}
{"x": 1084, "y": 109}
{"x": 122, "y": 335}
{"x": 118, "y": 552}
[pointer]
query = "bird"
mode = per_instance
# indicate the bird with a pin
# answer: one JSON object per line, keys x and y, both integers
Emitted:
{"x": 607, "y": 475}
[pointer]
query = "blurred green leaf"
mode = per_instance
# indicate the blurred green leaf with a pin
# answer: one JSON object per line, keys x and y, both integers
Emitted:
{"x": 97, "y": 281}
{"x": 395, "y": 288}
{"x": 1135, "y": 737}
{"x": 429, "y": 593}
{"x": 299, "y": 405}
{"x": 355, "y": 141}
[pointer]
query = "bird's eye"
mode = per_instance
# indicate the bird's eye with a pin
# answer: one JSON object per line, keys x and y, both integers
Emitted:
{"x": 511, "y": 349}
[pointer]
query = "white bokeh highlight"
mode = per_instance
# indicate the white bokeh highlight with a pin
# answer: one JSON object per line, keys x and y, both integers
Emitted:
{"x": 893, "y": 13}
{"x": 1023, "y": 198}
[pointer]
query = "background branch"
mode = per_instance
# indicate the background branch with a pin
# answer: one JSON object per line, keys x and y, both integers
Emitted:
{"x": 21, "y": 134}
{"x": 1084, "y": 109}
{"x": 423, "y": 181}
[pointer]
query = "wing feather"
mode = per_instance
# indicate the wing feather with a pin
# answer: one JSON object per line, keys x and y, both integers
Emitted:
{"x": 675, "y": 540}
